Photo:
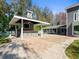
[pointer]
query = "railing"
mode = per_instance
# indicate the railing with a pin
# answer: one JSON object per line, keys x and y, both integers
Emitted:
{"x": 76, "y": 22}
{"x": 76, "y": 32}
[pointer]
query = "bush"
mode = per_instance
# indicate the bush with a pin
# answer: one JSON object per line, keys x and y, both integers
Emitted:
{"x": 73, "y": 50}
{"x": 37, "y": 28}
{"x": 4, "y": 40}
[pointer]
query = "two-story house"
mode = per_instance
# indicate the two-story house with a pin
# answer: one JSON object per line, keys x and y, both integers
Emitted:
{"x": 72, "y": 20}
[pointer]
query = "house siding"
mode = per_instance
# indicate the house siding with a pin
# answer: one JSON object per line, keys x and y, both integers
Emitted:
{"x": 78, "y": 14}
{"x": 69, "y": 23}
{"x": 71, "y": 19}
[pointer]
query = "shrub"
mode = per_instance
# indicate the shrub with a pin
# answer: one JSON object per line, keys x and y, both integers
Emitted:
{"x": 4, "y": 40}
{"x": 37, "y": 28}
{"x": 73, "y": 50}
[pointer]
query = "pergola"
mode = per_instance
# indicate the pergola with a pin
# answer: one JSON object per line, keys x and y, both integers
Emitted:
{"x": 55, "y": 28}
{"x": 16, "y": 18}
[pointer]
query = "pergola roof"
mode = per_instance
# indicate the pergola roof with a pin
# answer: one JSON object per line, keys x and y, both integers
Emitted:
{"x": 17, "y": 18}
{"x": 54, "y": 27}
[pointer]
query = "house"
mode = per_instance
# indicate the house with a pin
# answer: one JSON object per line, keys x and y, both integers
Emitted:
{"x": 72, "y": 20}
{"x": 26, "y": 24}
{"x": 71, "y": 28}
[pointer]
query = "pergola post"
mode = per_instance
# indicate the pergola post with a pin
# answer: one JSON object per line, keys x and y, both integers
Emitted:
{"x": 15, "y": 30}
{"x": 41, "y": 31}
{"x": 10, "y": 32}
{"x": 21, "y": 29}
{"x": 56, "y": 30}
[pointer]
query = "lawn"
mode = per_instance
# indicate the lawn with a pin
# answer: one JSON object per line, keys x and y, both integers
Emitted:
{"x": 73, "y": 50}
{"x": 4, "y": 39}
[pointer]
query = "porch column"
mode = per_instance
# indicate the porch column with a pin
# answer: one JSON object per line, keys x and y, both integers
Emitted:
{"x": 41, "y": 31}
{"x": 10, "y": 32}
{"x": 56, "y": 30}
{"x": 21, "y": 29}
{"x": 66, "y": 24}
{"x": 15, "y": 30}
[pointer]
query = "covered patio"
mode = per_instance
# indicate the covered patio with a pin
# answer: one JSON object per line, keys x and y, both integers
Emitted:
{"x": 57, "y": 29}
{"x": 26, "y": 25}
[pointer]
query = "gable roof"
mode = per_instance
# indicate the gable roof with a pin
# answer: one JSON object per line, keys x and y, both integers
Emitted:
{"x": 74, "y": 5}
{"x": 16, "y": 18}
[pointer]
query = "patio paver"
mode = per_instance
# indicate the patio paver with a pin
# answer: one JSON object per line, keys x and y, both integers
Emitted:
{"x": 49, "y": 47}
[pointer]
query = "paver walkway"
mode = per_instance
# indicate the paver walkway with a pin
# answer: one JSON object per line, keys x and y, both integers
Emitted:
{"x": 49, "y": 47}
{"x": 13, "y": 50}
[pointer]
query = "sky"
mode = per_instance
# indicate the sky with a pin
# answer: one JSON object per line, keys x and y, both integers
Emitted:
{"x": 55, "y": 6}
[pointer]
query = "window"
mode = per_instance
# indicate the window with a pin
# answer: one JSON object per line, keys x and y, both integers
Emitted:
{"x": 75, "y": 16}
{"x": 76, "y": 28}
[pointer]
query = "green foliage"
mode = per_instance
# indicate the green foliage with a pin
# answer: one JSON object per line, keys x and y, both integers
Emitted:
{"x": 73, "y": 50}
{"x": 47, "y": 14}
{"x": 21, "y": 6}
{"x": 4, "y": 40}
{"x": 7, "y": 11}
{"x": 5, "y": 15}
{"x": 43, "y": 14}
{"x": 37, "y": 28}
{"x": 2, "y": 6}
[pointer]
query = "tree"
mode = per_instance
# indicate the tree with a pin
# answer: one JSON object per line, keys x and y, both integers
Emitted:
{"x": 56, "y": 20}
{"x": 37, "y": 11}
{"x": 15, "y": 6}
{"x": 43, "y": 14}
{"x": 5, "y": 15}
{"x": 48, "y": 15}
{"x": 2, "y": 6}
{"x": 21, "y": 6}
{"x": 62, "y": 18}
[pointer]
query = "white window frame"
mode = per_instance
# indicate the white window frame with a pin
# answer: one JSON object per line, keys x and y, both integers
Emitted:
{"x": 76, "y": 12}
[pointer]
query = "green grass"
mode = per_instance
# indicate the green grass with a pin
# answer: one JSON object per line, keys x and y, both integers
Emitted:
{"x": 73, "y": 50}
{"x": 4, "y": 40}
